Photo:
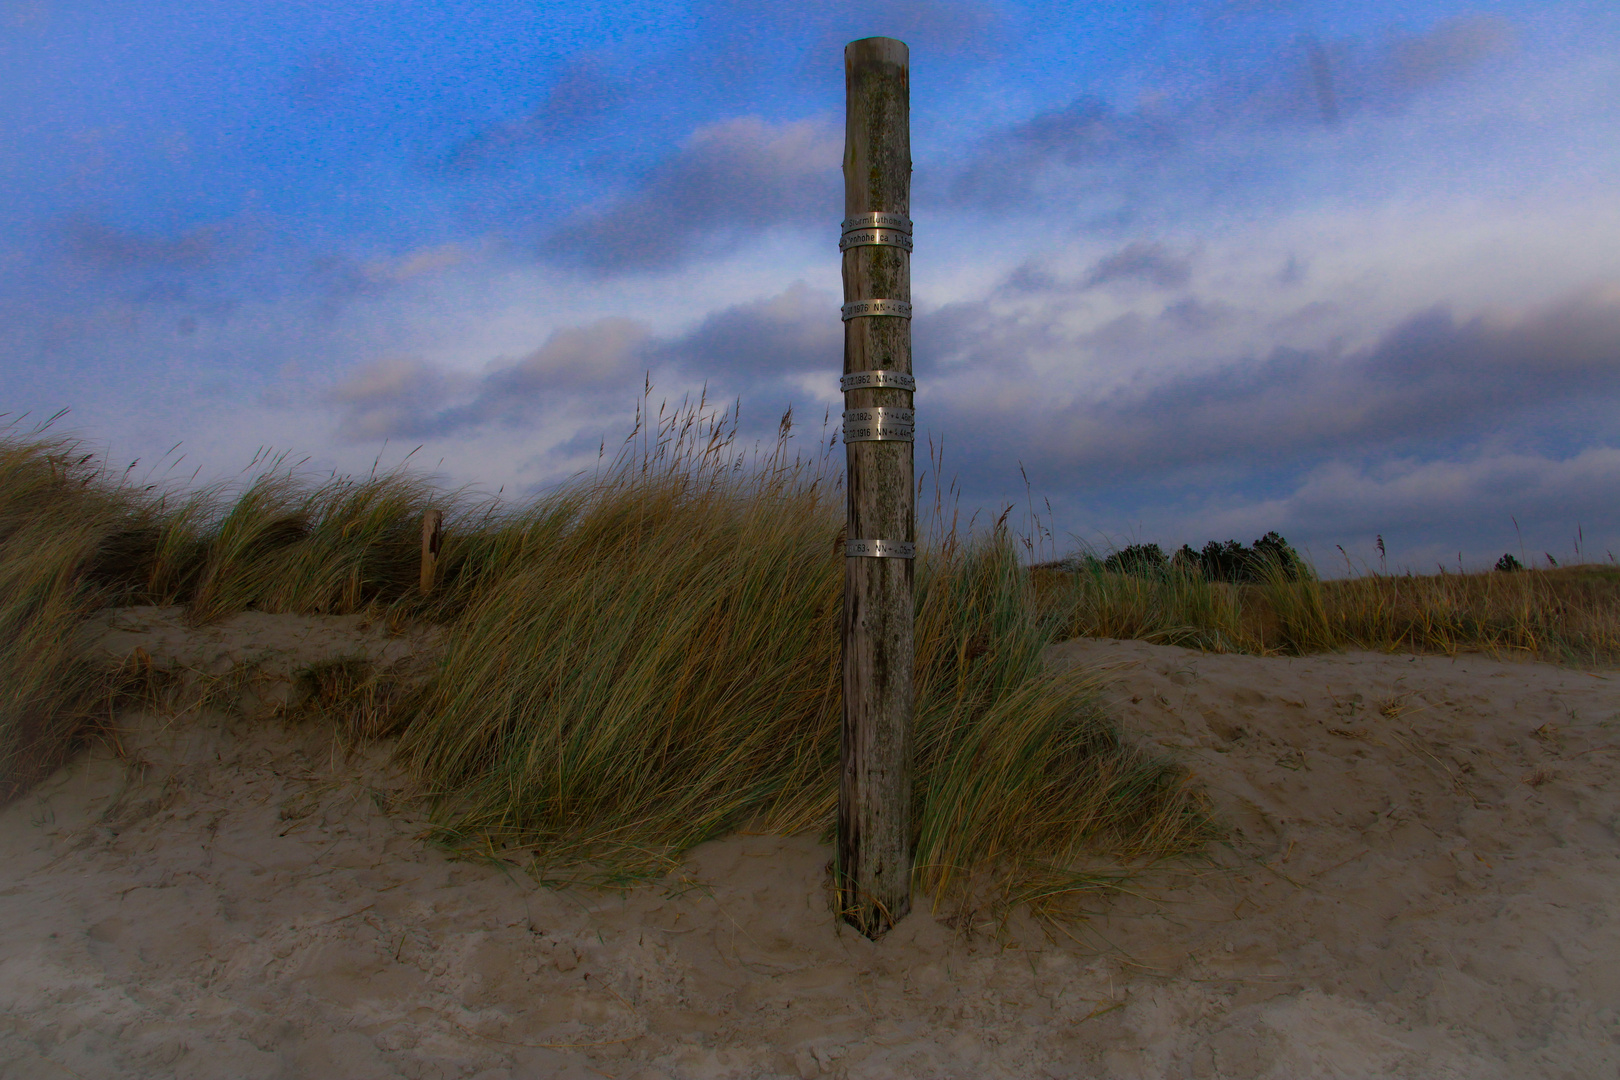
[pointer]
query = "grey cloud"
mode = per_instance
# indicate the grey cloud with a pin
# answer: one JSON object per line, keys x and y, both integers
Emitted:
{"x": 1427, "y": 510}
{"x": 1386, "y": 432}
{"x": 391, "y": 397}
{"x": 1141, "y": 261}
{"x": 1006, "y": 166}
{"x": 584, "y": 90}
{"x": 1465, "y": 494}
{"x": 1307, "y": 82}
{"x": 1326, "y": 80}
{"x": 582, "y": 364}
{"x": 744, "y": 174}
{"x": 750, "y": 350}
{"x": 938, "y": 24}
{"x": 1345, "y": 78}
{"x": 317, "y": 81}
{"x": 1431, "y": 382}
{"x": 941, "y": 26}
{"x": 582, "y": 359}
{"x": 108, "y": 247}
{"x": 1432, "y": 436}
{"x": 1416, "y": 62}
{"x": 949, "y": 333}
{"x": 972, "y": 333}
{"x": 794, "y": 332}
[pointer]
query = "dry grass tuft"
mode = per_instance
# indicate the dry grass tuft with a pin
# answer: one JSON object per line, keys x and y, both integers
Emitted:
{"x": 67, "y": 538}
{"x": 648, "y": 657}
{"x": 1569, "y": 615}
{"x": 635, "y": 662}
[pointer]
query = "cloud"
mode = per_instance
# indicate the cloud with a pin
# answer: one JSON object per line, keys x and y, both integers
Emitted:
{"x": 1460, "y": 494}
{"x": 584, "y": 90}
{"x": 578, "y": 366}
{"x": 411, "y": 264}
{"x": 391, "y": 397}
{"x": 1306, "y": 82}
{"x": 317, "y": 81}
{"x": 1005, "y": 165}
{"x": 757, "y": 348}
{"x": 1412, "y": 63}
{"x": 942, "y": 27}
{"x": 1144, "y": 262}
{"x": 1427, "y": 510}
{"x": 728, "y": 180}
{"x": 111, "y": 248}
{"x": 1429, "y": 383}
{"x": 792, "y": 333}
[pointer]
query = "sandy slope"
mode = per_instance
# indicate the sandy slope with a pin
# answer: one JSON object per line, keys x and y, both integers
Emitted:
{"x": 1425, "y": 885}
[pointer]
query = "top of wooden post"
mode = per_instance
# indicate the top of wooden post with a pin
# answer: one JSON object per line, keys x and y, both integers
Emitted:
{"x": 877, "y": 132}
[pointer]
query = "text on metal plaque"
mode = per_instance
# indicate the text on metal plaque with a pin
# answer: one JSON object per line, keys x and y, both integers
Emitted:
{"x": 876, "y": 433}
{"x": 883, "y": 423}
{"x": 875, "y": 238}
{"x": 880, "y": 549}
{"x": 872, "y": 380}
{"x": 881, "y": 414}
{"x": 878, "y": 220}
{"x": 855, "y": 309}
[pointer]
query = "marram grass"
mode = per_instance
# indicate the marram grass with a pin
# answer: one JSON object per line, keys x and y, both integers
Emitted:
{"x": 660, "y": 669}
{"x": 648, "y": 657}
{"x": 636, "y": 661}
{"x": 1569, "y": 615}
{"x": 65, "y": 538}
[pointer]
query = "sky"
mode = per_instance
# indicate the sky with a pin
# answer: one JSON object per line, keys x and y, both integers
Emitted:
{"x": 1184, "y": 271}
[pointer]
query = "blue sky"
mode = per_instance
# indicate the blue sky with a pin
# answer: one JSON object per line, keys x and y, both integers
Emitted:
{"x": 1201, "y": 269}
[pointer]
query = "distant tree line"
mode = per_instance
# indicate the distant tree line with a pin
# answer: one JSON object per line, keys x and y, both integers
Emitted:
{"x": 1230, "y": 562}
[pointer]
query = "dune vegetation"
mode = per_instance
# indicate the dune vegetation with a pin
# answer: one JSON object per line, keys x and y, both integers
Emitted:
{"x": 1567, "y": 615}
{"x": 647, "y": 656}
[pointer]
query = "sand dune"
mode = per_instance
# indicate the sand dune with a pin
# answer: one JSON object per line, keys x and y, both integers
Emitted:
{"x": 1423, "y": 882}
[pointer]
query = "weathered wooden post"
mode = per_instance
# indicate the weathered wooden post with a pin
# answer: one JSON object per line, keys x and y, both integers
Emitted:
{"x": 874, "y": 798}
{"x": 432, "y": 541}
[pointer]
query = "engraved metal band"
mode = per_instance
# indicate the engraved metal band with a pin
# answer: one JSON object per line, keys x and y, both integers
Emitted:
{"x": 855, "y": 309}
{"x": 872, "y": 380}
{"x": 880, "y": 549}
{"x": 878, "y": 220}
{"x": 882, "y": 414}
{"x": 875, "y": 238}
{"x": 883, "y": 423}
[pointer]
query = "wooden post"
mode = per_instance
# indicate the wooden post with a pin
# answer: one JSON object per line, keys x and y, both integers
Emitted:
{"x": 432, "y": 541}
{"x": 874, "y": 800}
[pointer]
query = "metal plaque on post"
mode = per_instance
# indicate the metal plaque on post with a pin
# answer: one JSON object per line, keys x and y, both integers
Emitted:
{"x": 879, "y": 424}
{"x": 880, "y": 549}
{"x": 878, "y": 220}
{"x": 859, "y": 309}
{"x": 865, "y": 380}
{"x": 875, "y": 238}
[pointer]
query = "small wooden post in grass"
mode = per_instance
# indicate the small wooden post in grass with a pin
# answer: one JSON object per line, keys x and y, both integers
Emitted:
{"x": 874, "y": 799}
{"x": 432, "y": 541}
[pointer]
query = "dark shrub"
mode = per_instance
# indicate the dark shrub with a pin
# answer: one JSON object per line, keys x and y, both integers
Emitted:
{"x": 1137, "y": 559}
{"x": 1225, "y": 562}
{"x": 1231, "y": 561}
{"x": 1234, "y": 563}
{"x": 1507, "y": 564}
{"x": 1186, "y": 560}
{"x": 1273, "y": 550}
